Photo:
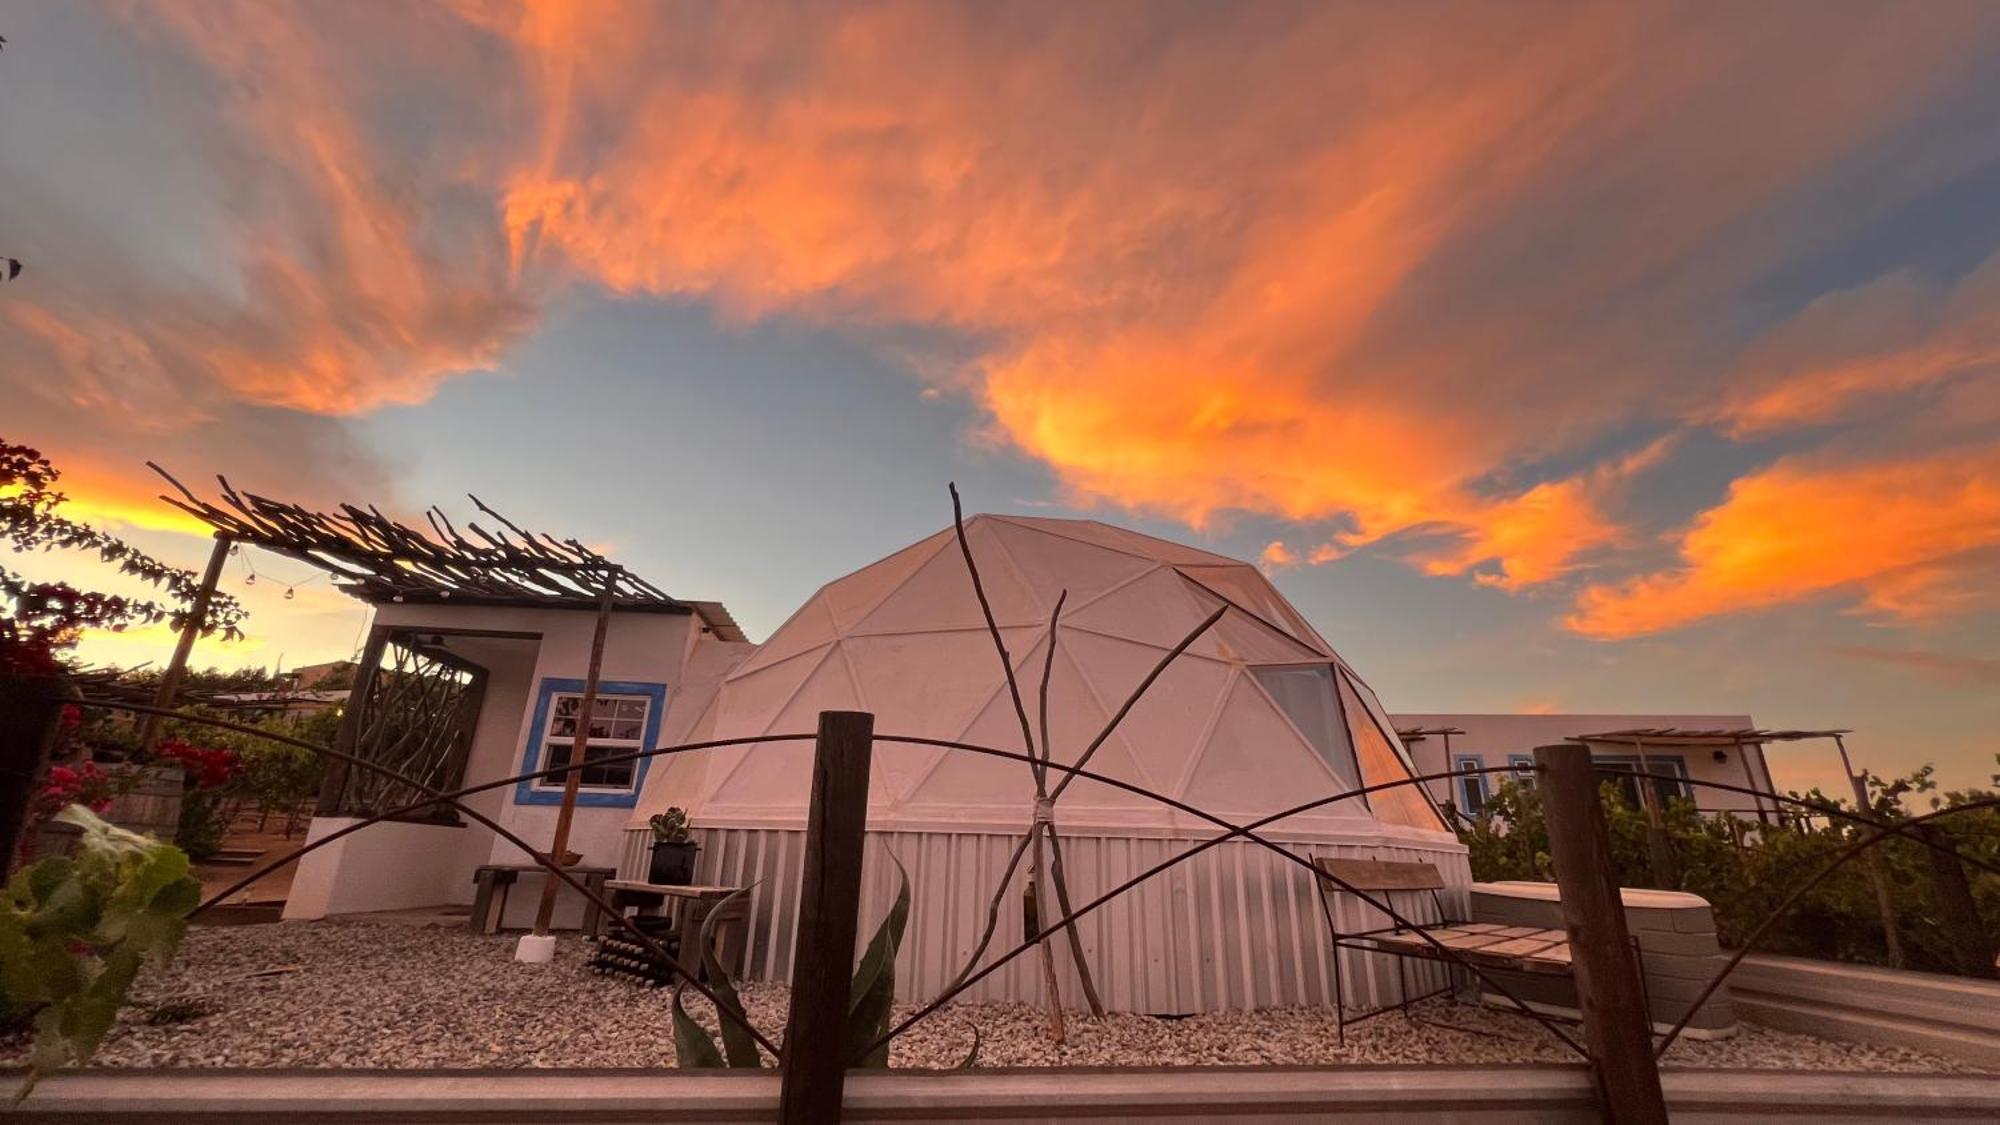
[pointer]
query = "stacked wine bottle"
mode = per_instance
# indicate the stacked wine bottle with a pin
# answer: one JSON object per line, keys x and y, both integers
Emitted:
{"x": 620, "y": 953}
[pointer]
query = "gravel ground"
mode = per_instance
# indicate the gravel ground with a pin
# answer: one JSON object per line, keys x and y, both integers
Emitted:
{"x": 401, "y": 996}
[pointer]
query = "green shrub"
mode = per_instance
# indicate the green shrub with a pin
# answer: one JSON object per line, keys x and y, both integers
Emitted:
{"x": 74, "y": 931}
{"x": 1746, "y": 869}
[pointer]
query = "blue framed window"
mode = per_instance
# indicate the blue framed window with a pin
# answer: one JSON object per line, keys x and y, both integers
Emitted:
{"x": 1524, "y": 769}
{"x": 625, "y": 717}
{"x": 1471, "y": 787}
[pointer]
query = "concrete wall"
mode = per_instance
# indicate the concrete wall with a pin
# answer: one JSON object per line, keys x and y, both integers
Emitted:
{"x": 1245, "y": 1095}
{"x": 389, "y": 866}
{"x": 1954, "y": 1016}
{"x": 1492, "y": 738}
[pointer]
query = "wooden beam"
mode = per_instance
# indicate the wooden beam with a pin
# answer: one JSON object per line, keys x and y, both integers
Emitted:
{"x": 333, "y": 781}
{"x": 29, "y": 707}
{"x": 574, "y": 776}
{"x": 1609, "y": 990}
{"x": 1879, "y": 878}
{"x": 816, "y": 1050}
{"x": 170, "y": 681}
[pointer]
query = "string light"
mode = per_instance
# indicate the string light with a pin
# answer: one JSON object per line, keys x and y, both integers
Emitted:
{"x": 251, "y": 575}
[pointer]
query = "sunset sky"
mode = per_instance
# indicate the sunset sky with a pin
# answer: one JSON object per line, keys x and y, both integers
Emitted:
{"x": 1551, "y": 357}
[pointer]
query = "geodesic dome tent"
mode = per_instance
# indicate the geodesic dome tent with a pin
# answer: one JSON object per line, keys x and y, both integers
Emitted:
{"x": 1257, "y": 716}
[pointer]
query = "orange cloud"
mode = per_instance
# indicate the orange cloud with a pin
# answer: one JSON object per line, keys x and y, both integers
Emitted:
{"x": 1910, "y": 539}
{"x": 1848, "y": 350}
{"x": 1277, "y": 556}
{"x": 1335, "y": 266}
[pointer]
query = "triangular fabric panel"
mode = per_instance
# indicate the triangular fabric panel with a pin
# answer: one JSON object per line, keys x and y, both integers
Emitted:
{"x": 1404, "y": 805}
{"x": 939, "y": 594}
{"x": 808, "y": 629}
{"x": 964, "y": 779}
{"x": 1157, "y": 609}
{"x": 1053, "y": 563}
{"x": 851, "y": 598}
{"x": 780, "y": 774}
{"x": 1253, "y": 592}
{"x": 1168, "y": 720}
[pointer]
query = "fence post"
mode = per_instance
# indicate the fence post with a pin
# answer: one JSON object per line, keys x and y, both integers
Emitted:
{"x": 29, "y": 707}
{"x": 1958, "y": 913}
{"x": 816, "y": 1050}
{"x": 1609, "y": 992}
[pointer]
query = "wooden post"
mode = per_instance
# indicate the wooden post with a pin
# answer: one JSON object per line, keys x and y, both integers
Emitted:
{"x": 1877, "y": 876}
{"x": 333, "y": 779}
{"x": 558, "y": 847}
{"x": 1609, "y": 992}
{"x": 1972, "y": 946}
{"x": 170, "y": 680}
{"x": 816, "y": 1051}
{"x": 29, "y": 707}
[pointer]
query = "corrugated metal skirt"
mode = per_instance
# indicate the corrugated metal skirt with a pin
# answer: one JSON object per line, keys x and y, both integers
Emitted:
{"x": 1236, "y": 927}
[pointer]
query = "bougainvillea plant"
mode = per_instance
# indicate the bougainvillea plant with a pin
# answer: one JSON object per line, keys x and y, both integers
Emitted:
{"x": 209, "y": 767}
{"x": 45, "y": 617}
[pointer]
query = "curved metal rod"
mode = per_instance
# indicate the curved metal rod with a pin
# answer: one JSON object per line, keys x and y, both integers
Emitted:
{"x": 1839, "y": 860}
{"x": 1232, "y": 831}
{"x": 1892, "y": 827}
{"x": 555, "y": 870}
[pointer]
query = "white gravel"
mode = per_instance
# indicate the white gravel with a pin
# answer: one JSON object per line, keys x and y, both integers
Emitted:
{"x": 400, "y": 996}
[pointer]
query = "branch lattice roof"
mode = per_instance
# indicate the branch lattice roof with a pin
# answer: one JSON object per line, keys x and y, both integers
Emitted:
{"x": 1677, "y": 736}
{"x": 377, "y": 559}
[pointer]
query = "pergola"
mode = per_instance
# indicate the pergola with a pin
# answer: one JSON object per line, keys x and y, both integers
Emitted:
{"x": 1639, "y": 738}
{"x": 424, "y": 709}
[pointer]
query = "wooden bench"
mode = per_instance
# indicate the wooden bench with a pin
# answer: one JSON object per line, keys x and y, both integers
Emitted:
{"x": 1537, "y": 950}
{"x": 488, "y": 909}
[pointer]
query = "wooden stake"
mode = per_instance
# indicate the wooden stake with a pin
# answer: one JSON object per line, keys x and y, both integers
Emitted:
{"x": 559, "y": 847}
{"x": 29, "y": 708}
{"x": 816, "y": 1053}
{"x": 170, "y": 680}
{"x": 1877, "y": 877}
{"x": 1958, "y": 912}
{"x": 1659, "y": 853}
{"x": 1609, "y": 991}
{"x": 1038, "y": 883}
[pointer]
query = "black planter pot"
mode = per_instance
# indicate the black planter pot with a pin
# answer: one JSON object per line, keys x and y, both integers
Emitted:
{"x": 673, "y": 864}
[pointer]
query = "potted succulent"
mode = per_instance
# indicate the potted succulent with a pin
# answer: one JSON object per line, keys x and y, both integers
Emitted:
{"x": 673, "y": 852}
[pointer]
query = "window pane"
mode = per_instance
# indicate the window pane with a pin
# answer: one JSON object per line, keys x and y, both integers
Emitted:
{"x": 1305, "y": 694}
{"x": 628, "y": 730}
{"x": 631, "y": 708}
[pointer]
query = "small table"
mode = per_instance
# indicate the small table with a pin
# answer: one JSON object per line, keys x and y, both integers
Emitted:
{"x": 689, "y": 906}
{"x": 488, "y": 909}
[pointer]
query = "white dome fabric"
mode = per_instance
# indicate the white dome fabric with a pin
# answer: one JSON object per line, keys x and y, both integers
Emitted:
{"x": 1257, "y": 716}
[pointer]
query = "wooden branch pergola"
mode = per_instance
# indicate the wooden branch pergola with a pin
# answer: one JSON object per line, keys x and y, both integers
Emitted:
{"x": 378, "y": 560}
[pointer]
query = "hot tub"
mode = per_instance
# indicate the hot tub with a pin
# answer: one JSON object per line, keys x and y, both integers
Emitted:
{"x": 1677, "y": 948}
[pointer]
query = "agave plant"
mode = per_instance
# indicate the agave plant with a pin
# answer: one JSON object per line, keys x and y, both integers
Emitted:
{"x": 871, "y": 994}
